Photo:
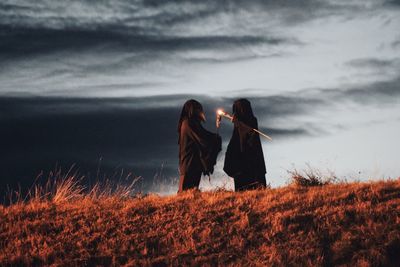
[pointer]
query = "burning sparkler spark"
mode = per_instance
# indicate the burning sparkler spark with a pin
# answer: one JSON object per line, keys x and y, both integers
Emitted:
{"x": 221, "y": 112}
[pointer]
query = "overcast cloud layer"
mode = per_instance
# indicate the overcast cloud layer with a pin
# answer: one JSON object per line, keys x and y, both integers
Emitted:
{"x": 84, "y": 80}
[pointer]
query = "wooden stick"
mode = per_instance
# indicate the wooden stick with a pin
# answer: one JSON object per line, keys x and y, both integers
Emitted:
{"x": 262, "y": 134}
{"x": 230, "y": 117}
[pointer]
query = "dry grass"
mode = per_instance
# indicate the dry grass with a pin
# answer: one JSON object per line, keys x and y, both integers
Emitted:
{"x": 336, "y": 224}
{"x": 311, "y": 177}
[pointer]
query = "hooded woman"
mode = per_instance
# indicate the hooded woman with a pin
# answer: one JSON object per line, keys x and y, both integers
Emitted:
{"x": 244, "y": 159}
{"x": 198, "y": 148}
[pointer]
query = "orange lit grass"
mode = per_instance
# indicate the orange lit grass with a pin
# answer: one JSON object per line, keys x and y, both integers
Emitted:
{"x": 348, "y": 223}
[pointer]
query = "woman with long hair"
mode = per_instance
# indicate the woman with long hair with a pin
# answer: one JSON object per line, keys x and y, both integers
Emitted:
{"x": 244, "y": 159}
{"x": 198, "y": 148}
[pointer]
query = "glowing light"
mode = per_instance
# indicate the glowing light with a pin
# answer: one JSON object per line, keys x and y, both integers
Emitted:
{"x": 220, "y": 112}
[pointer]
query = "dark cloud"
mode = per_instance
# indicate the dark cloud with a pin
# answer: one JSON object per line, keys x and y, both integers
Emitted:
{"x": 396, "y": 43}
{"x": 33, "y": 28}
{"x": 22, "y": 42}
{"x": 393, "y": 2}
{"x": 154, "y": 15}
{"x": 140, "y": 27}
{"x": 296, "y": 11}
{"x": 287, "y": 104}
{"x": 375, "y": 63}
{"x": 220, "y": 58}
{"x": 284, "y": 132}
{"x": 375, "y": 93}
{"x": 158, "y": 15}
{"x": 38, "y": 133}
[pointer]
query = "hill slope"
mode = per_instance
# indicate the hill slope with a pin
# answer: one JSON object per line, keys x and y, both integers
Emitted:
{"x": 357, "y": 223}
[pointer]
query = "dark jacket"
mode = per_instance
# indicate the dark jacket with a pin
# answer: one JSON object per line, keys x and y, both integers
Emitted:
{"x": 244, "y": 159}
{"x": 198, "y": 148}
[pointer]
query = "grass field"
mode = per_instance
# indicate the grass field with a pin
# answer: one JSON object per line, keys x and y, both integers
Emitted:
{"x": 355, "y": 224}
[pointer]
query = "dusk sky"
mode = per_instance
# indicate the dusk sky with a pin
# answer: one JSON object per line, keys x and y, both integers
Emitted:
{"x": 103, "y": 82}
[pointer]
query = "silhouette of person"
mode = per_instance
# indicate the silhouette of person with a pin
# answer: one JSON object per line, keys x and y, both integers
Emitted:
{"x": 198, "y": 148}
{"x": 244, "y": 159}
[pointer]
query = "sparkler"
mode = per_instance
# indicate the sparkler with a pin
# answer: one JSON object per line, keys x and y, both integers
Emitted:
{"x": 221, "y": 113}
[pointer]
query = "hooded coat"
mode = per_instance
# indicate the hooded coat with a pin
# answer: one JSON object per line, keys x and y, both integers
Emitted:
{"x": 198, "y": 148}
{"x": 244, "y": 159}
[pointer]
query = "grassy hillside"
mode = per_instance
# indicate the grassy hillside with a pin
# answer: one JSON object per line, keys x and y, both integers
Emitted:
{"x": 341, "y": 224}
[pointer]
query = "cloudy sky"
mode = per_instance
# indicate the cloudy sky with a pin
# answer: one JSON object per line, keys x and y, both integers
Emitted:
{"x": 101, "y": 83}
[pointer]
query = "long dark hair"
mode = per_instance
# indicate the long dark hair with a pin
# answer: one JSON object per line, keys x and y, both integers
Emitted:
{"x": 190, "y": 111}
{"x": 242, "y": 110}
